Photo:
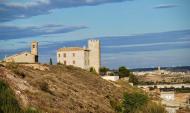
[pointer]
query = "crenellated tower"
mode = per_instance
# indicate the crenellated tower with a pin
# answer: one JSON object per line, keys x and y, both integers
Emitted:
{"x": 94, "y": 55}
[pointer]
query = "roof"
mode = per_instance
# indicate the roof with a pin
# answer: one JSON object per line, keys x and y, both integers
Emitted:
{"x": 18, "y": 54}
{"x": 72, "y": 49}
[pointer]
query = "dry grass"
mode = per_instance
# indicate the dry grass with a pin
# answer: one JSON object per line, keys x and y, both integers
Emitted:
{"x": 66, "y": 89}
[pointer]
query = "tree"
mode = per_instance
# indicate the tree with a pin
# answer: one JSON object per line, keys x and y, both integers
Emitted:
{"x": 133, "y": 79}
{"x": 104, "y": 70}
{"x": 50, "y": 61}
{"x": 123, "y": 72}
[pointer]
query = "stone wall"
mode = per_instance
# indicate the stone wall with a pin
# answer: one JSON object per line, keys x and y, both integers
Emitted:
{"x": 94, "y": 56}
{"x": 75, "y": 58}
{"x": 25, "y": 57}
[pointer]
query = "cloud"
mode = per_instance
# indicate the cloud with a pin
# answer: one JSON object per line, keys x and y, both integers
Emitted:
{"x": 14, "y": 10}
{"x": 143, "y": 50}
{"x": 163, "y": 6}
{"x": 148, "y": 44}
{"x": 15, "y": 32}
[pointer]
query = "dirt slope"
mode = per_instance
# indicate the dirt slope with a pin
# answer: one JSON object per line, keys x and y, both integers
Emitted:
{"x": 62, "y": 89}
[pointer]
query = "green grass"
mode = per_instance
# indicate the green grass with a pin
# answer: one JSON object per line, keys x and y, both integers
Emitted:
{"x": 8, "y": 102}
{"x": 137, "y": 102}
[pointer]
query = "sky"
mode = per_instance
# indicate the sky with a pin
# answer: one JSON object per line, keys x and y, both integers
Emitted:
{"x": 133, "y": 33}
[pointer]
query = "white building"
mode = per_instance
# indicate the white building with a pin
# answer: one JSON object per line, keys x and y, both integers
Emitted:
{"x": 167, "y": 96}
{"x": 111, "y": 78}
{"x": 85, "y": 58}
{"x": 25, "y": 57}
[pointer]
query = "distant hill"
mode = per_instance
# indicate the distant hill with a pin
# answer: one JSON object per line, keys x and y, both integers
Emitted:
{"x": 62, "y": 89}
{"x": 174, "y": 69}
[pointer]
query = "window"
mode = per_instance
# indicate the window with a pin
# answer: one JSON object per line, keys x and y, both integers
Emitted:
{"x": 26, "y": 54}
{"x": 33, "y": 46}
{"x": 73, "y": 54}
{"x": 64, "y": 55}
{"x": 73, "y": 62}
{"x": 65, "y": 62}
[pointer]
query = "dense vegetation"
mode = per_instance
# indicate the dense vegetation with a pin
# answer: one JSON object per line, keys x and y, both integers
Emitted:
{"x": 137, "y": 102}
{"x": 8, "y": 102}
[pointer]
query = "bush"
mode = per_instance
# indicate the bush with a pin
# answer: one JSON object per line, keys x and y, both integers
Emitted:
{"x": 19, "y": 73}
{"x": 44, "y": 87}
{"x": 133, "y": 79}
{"x": 123, "y": 72}
{"x": 93, "y": 70}
{"x": 137, "y": 103}
{"x": 104, "y": 70}
{"x": 134, "y": 101}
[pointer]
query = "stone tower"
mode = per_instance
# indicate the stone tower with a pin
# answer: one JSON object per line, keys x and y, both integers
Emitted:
{"x": 34, "y": 50}
{"x": 94, "y": 55}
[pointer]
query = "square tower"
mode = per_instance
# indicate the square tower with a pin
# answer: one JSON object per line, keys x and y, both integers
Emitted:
{"x": 34, "y": 50}
{"x": 94, "y": 55}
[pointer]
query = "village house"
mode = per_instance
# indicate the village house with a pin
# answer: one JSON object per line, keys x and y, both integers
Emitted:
{"x": 85, "y": 58}
{"x": 25, "y": 57}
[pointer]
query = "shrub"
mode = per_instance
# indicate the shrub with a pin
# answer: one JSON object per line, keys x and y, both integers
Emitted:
{"x": 134, "y": 101}
{"x": 133, "y": 79}
{"x": 44, "y": 87}
{"x": 19, "y": 73}
{"x": 137, "y": 103}
{"x": 104, "y": 70}
{"x": 123, "y": 72}
{"x": 93, "y": 70}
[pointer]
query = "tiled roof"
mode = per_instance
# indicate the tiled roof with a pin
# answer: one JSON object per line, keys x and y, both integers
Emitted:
{"x": 72, "y": 49}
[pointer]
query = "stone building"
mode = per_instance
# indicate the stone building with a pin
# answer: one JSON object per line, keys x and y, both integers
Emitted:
{"x": 167, "y": 95}
{"x": 25, "y": 57}
{"x": 85, "y": 58}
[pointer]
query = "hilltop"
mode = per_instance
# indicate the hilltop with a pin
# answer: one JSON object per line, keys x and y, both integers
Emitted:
{"x": 62, "y": 89}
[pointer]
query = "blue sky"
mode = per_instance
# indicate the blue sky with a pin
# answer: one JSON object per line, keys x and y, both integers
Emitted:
{"x": 134, "y": 33}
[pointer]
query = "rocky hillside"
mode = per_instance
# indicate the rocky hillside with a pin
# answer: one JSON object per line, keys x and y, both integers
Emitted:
{"x": 62, "y": 89}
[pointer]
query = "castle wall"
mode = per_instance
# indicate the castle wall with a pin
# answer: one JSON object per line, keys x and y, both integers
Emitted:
{"x": 79, "y": 59}
{"x": 94, "y": 56}
{"x": 21, "y": 58}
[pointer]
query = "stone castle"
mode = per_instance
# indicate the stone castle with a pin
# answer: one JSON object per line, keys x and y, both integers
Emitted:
{"x": 25, "y": 57}
{"x": 85, "y": 58}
